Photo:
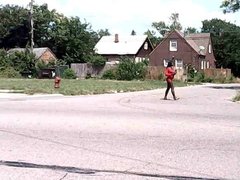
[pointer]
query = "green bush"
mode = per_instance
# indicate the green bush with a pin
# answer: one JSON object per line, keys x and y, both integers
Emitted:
{"x": 237, "y": 97}
{"x": 69, "y": 74}
{"x": 161, "y": 76}
{"x": 127, "y": 69}
{"x": 97, "y": 60}
{"x": 199, "y": 77}
{"x": 109, "y": 74}
{"x": 9, "y": 72}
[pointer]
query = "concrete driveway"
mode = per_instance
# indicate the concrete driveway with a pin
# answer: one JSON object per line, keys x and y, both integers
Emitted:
{"x": 121, "y": 136}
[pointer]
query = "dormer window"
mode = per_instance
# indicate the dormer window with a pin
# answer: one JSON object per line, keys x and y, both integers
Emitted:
{"x": 209, "y": 48}
{"x": 173, "y": 45}
{"x": 145, "y": 46}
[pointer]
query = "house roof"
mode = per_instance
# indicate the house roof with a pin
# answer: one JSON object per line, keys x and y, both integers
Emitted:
{"x": 37, "y": 51}
{"x": 126, "y": 45}
{"x": 199, "y": 42}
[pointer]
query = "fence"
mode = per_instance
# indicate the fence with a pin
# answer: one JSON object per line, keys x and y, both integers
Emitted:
{"x": 157, "y": 72}
{"x": 84, "y": 70}
{"x": 216, "y": 73}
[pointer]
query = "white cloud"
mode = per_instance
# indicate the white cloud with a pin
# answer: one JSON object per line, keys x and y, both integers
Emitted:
{"x": 124, "y": 16}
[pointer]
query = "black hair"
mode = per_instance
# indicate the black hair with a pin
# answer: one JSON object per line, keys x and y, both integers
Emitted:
{"x": 169, "y": 64}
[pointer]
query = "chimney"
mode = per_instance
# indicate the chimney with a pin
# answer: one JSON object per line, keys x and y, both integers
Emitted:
{"x": 116, "y": 40}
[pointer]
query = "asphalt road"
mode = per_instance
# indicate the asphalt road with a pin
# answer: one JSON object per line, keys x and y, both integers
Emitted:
{"x": 121, "y": 136}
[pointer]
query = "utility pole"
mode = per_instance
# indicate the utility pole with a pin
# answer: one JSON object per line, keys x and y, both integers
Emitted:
{"x": 31, "y": 24}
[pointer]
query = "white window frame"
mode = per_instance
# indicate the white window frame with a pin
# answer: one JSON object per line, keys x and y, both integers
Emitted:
{"x": 203, "y": 64}
{"x": 208, "y": 65}
{"x": 178, "y": 63}
{"x": 173, "y": 45}
{"x": 209, "y": 48}
{"x": 146, "y": 46}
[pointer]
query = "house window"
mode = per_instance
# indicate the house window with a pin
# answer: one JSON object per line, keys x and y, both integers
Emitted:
{"x": 173, "y": 45}
{"x": 137, "y": 59}
{"x": 203, "y": 64}
{"x": 209, "y": 48}
{"x": 179, "y": 64}
{"x": 145, "y": 46}
{"x": 208, "y": 66}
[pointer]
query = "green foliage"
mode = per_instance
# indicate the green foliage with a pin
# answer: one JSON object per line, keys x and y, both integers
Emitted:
{"x": 96, "y": 60}
{"x": 9, "y": 72}
{"x": 128, "y": 70}
{"x": 237, "y": 97}
{"x": 69, "y": 38}
{"x": 103, "y": 32}
{"x": 226, "y": 43}
{"x": 230, "y": 6}
{"x": 12, "y": 17}
{"x": 109, "y": 74}
{"x": 161, "y": 77}
{"x": 21, "y": 62}
{"x": 69, "y": 74}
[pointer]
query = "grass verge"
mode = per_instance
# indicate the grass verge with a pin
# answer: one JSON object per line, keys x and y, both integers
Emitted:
{"x": 237, "y": 97}
{"x": 80, "y": 87}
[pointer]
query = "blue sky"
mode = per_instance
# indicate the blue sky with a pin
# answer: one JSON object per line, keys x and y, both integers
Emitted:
{"x": 123, "y": 16}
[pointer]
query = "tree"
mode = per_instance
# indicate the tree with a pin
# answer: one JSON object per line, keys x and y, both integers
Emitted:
{"x": 226, "y": 43}
{"x": 230, "y": 6}
{"x": 175, "y": 24}
{"x": 152, "y": 37}
{"x": 133, "y": 33}
{"x": 161, "y": 27}
{"x": 190, "y": 30}
{"x": 14, "y": 28}
{"x": 69, "y": 38}
{"x": 103, "y": 32}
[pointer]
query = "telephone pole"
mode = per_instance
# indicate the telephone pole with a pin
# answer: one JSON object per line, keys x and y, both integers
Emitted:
{"x": 31, "y": 24}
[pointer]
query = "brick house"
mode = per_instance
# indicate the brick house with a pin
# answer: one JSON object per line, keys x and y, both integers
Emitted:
{"x": 182, "y": 50}
{"x": 133, "y": 46}
{"x": 44, "y": 54}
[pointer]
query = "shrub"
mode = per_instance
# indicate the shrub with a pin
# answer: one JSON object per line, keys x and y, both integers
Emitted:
{"x": 9, "y": 72}
{"x": 69, "y": 74}
{"x": 96, "y": 60}
{"x": 109, "y": 74}
{"x": 127, "y": 69}
{"x": 199, "y": 77}
{"x": 237, "y": 97}
{"x": 161, "y": 76}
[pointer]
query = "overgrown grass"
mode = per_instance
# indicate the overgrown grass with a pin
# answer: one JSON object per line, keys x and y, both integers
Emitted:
{"x": 237, "y": 97}
{"x": 80, "y": 87}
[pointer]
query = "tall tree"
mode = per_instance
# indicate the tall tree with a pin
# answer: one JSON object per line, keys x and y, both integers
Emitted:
{"x": 152, "y": 37}
{"x": 161, "y": 27}
{"x": 175, "y": 24}
{"x": 14, "y": 28}
{"x": 190, "y": 30}
{"x": 226, "y": 43}
{"x": 133, "y": 33}
{"x": 230, "y": 6}
{"x": 103, "y": 32}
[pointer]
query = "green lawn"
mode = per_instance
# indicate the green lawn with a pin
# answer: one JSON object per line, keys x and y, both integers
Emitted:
{"x": 80, "y": 87}
{"x": 237, "y": 97}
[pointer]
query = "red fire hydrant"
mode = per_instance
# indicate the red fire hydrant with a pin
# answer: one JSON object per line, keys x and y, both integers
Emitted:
{"x": 57, "y": 81}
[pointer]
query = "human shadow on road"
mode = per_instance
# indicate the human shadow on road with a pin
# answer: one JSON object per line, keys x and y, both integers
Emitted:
{"x": 76, "y": 170}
